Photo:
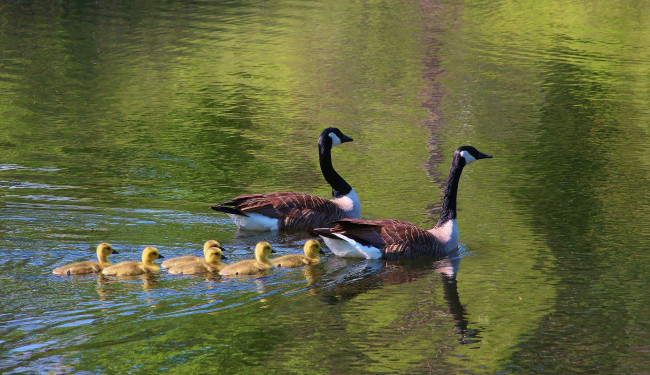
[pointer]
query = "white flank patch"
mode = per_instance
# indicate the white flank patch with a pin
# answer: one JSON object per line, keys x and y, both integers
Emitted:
{"x": 468, "y": 157}
{"x": 335, "y": 139}
{"x": 349, "y": 248}
{"x": 447, "y": 234}
{"x": 255, "y": 222}
{"x": 350, "y": 204}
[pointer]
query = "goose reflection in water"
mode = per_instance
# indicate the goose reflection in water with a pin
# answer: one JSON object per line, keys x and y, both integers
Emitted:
{"x": 346, "y": 279}
{"x": 110, "y": 285}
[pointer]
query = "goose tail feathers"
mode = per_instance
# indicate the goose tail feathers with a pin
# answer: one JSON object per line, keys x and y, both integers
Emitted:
{"x": 229, "y": 210}
{"x": 361, "y": 231}
{"x": 353, "y": 239}
{"x": 323, "y": 232}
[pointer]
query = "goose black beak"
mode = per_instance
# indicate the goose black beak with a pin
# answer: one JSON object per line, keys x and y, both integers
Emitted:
{"x": 321, "y": 251}
{"x": 160, "y": 256}
{"x": 114, "y": 252}
{"x": 273, "y": 251}
{"x": 223, "y": 257}
{"x": 345, "y": 138}
{"x": 484, "y": 156}
{"x": 221, "y": 248}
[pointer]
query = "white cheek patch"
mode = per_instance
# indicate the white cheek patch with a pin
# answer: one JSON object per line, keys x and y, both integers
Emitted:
{"x": 335, "y": 140}
{"x": 468, "y": 157}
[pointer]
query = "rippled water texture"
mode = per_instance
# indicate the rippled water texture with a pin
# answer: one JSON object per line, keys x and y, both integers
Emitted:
{"x": 124, "y": 122}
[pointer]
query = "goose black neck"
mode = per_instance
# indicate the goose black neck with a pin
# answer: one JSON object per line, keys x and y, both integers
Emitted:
{"x": 448, "y": 210}
{"x": 338, "y": 184}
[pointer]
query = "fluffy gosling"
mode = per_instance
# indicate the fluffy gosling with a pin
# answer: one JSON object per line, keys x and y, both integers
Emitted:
{"x": 104, "y": 249}
{"x": 212, "y": 263}
{"x": 260, "y": 264}
{"x": 312, "y": 250}
{"x": 169, "y": 263}
{"x": 149, "y": 254}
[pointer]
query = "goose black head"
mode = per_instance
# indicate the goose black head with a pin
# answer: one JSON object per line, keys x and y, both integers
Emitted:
{"x": 331, "y": 137}
{"x": 469, "y": 154}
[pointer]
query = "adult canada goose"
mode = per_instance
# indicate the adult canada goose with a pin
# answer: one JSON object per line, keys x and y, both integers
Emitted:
{"x": 149, "y": 254}
{"x": 168, "y": 263}
{"x": 104, "y": 249}
{"x": 211, "y": 263}
{"x": 312, "y": 250}
{"x": 294, "y": 211}
{"x": 394, "y": 239}
{"x": 260, "y": 264}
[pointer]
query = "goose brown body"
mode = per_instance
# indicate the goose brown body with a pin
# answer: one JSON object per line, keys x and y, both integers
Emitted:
{"x": 211, "y": 264}
{"x": 312, "y": 248}
{"x": 295, "y": 211}
{"x": 149, "y": 254}
{"x": 260, "y": 264}
{"x": 395, "y": 239}
{"x": 168, "y": 263}
{"x": 104, "y": 249}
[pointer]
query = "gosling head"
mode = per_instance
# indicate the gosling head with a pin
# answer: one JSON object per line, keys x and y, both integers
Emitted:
{"x": 263, "y": 250}
{"x": 214, "y": 255}
{"x": 210, "y": 244}
{"x": 149, "y": 254}
{"x": 313, "y": 248}
{"x": 105, "y": 249}
{"x": 470, "y": 154}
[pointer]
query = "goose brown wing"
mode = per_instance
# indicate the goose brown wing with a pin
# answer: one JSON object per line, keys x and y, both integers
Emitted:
{"x": 395, "y": 238}
{"x": 257, "y": 203}
{"x": 295, "y": 211}
{"x": 405, "y": 240}
{"x": 365, "y": 232}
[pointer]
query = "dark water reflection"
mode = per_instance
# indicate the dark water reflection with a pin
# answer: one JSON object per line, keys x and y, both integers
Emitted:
{"x": 358, "y": 277}
{"x": 124, "y": 122}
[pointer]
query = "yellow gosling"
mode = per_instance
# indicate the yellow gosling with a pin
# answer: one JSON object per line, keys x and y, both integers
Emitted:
{"x": 312, "y": 249}
{"x": 211, "y": 263}
{"x": 169, "y": 263}
{"x": 104, "y": 249}
{"x": 260, "y": 264}
{"x": 149, "y": 254}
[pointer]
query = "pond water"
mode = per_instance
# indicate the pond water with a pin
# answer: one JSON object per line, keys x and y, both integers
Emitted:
{"x": 124, "y": 122}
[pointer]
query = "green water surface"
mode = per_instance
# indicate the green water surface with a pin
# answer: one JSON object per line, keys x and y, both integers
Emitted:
{"x": 123, "y": 122}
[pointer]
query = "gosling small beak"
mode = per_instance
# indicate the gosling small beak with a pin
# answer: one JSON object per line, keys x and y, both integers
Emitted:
{"x": 272, "y": 251}
{"x": 114, "y": 252}
{"x": 221, "y": 248}
{"x": 223, "y": 257}
{"x": 160, "y": 256}
{"x": 321, "y": 251}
